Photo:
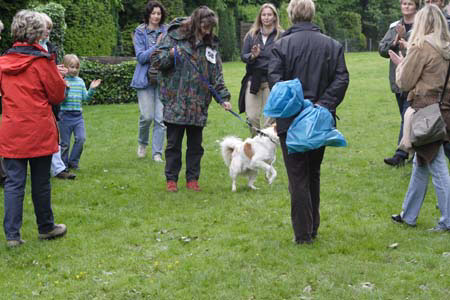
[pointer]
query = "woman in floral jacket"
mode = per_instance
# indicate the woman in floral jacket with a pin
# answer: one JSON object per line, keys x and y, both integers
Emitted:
{"x": 191, "y": 73}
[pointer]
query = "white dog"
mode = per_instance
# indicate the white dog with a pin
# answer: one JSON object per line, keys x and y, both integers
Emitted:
{"x": 246, "y": 157}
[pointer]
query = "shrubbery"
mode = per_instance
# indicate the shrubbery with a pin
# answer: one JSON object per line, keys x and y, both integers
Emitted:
{"x": 116, "y": 79}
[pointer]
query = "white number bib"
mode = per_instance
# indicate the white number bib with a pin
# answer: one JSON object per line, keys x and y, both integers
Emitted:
{"x": 211, "y": 55}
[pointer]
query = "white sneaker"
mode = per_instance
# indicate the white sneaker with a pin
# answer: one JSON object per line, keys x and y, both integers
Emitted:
{"x": 141, "y": 151}
{"x": 158, "y": 158}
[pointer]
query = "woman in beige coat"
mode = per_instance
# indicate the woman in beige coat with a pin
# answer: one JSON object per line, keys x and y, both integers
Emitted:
{"x": 422, "y": 72}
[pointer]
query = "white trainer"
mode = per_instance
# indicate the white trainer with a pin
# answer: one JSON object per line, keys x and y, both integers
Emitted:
{"x": 141, "y": 151}
{"x": 158, "y": 158}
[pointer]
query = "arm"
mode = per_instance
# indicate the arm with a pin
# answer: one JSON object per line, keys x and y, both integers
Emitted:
{"x": 219, "y": 83}
{"x": 52, "y": 81}
{"x": 86, "y": 95}
{"x": 410, "y": 69}
{"x": 246, "y": 52}
{"x": 388, "y": 42}
{"x": 335, "y": 92}
{"x": 139, "y": 42}
{"x": 276, "y": 65}
{"x": 162, "y": 59}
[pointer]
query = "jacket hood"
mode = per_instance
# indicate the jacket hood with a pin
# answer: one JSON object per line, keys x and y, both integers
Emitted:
{"x": 443, "y": 49}
{"x": 20, "y": 57}
{"x": 174, "y": 32}
{"x": 302, "y": 26}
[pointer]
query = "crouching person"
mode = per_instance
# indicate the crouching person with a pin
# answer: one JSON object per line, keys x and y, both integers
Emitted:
{"x": 30, "y": 83}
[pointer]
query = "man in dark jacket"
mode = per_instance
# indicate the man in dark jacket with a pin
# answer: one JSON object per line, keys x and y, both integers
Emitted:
{"x": 318, "y": 61}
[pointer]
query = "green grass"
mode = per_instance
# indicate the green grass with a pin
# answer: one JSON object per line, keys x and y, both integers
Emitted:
{"x": 129, "y": 239}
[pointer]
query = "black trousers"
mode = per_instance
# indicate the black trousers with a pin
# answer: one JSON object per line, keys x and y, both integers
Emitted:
{"x": 303, "y": 170}
{"x": 14, "y": 191}
{"x": 194, "y": 152}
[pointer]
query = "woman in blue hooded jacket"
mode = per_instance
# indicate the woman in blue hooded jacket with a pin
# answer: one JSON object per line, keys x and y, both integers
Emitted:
{"x": 146, "y": 38}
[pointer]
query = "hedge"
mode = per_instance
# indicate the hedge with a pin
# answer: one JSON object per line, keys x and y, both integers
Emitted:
{"x": 116, "y": 79}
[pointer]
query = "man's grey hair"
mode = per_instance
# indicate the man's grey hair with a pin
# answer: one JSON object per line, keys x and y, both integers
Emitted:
{"x": 301, "y": 11}
{"x": 28, "y": 26}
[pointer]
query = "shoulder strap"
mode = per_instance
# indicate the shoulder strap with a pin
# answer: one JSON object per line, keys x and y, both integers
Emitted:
{"x": 445, "y": 85}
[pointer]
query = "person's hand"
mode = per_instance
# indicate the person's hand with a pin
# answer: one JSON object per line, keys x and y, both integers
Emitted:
{"x": 226, "y": 105}
{"x": 401, "y": 30}
{"x": 403, "y": 44}
{"x": 256, "y": 50}
{"x": 159, "y": 38}
{"x": 396, "y": 59}
{"x": 95, "y": 83}
{"x": 172, "y": 51}
{"x": 62, "y": 70}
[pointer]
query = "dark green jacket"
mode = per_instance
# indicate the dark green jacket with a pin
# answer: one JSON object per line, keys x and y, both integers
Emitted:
{"x": 184, "y": 94}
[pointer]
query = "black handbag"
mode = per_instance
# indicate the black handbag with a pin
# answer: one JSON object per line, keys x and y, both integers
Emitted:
{"x": 427, "y": 124}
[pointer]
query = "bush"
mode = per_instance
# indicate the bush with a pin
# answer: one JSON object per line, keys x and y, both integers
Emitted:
{"x": 116, "y": 79}
{"x": 227, "y": 34}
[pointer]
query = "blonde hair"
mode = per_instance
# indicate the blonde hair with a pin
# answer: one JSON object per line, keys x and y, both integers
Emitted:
{"x": 257, "y": 24}
{"x": 430, "y": 22}
{"x": 301, "y": 11}
{"x": 27, "y": 26}
{"x": 70, "y": 59}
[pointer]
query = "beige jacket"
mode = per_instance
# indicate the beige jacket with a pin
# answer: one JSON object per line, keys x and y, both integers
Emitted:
{"x": 422, "y": 72}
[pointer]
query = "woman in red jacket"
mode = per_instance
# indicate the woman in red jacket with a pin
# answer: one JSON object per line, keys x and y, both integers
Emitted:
{"x": 29, "y": 83}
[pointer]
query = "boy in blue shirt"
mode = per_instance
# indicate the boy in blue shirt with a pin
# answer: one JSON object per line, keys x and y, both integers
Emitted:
{"x": 70, "y": 116}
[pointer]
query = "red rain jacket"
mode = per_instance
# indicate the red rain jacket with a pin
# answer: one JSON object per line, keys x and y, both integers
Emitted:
{"x": 29, "y": 83}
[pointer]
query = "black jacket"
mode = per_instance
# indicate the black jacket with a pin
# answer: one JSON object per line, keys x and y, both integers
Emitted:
{"x": 316, "y": 60}
{"x": 256, "y": 69}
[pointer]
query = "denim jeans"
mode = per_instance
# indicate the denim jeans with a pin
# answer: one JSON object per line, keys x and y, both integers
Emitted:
{"x": 418, "y": 188}
{"x": 151, "y": 109}
{"x": 14, "y": 191}
{"x": 57, "y": 165}
{"x": 71, "y": 122}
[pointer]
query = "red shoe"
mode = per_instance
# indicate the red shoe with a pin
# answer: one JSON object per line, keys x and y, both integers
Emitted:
{"x": 193, "y": 185}
{"x": 171, "y": 186}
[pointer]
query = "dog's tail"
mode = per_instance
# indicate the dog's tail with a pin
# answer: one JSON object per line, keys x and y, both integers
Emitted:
{"x": 227, "y": 146}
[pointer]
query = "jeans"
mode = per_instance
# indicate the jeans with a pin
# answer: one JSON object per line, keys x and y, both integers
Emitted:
{"x": 303, "y": 171}
{"x": 418, "y": 188}
{"x": 151, "y": 109}
{"x": 57, "y": 165}
{"x": 71, "y": 122}
{"x": 194, "y": 151}
{"x": 14, "y": 190}
{"x": 403, "y": 104}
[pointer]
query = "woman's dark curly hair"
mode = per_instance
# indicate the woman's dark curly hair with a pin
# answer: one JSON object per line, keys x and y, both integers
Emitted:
{"x": 192, "y": 26}
{"x": 149, "y": 9}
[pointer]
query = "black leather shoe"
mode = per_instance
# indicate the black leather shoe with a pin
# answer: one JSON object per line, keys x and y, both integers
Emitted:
{"x": 395, "y": 161}
{"x": 66, "y": 175}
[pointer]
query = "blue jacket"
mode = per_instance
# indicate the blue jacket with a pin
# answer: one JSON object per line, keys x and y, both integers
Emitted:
{"x": 144, "y": 41}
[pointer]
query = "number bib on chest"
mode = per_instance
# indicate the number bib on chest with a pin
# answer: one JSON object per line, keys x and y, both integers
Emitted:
{"x": 211, "y": 55}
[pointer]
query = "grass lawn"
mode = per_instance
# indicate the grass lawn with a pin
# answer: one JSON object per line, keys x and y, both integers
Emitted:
{"x": 130, "y": 239}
